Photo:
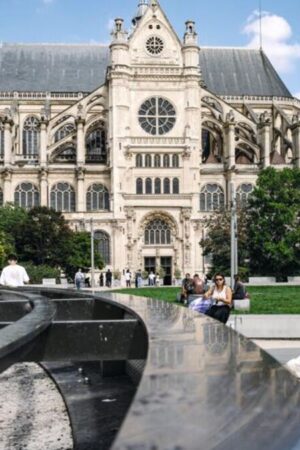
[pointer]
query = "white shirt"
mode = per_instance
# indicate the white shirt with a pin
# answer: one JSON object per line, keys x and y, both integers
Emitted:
{"x": 14, "y": 276}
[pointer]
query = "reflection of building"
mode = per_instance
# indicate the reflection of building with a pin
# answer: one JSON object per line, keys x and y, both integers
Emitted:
{"x": 144, "y": 136}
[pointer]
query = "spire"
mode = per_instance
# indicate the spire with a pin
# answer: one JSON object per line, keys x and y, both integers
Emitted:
{"x": 142, "y": 7}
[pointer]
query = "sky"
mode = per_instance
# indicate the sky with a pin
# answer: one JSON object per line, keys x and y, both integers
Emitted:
{"x": 232, "y": 23}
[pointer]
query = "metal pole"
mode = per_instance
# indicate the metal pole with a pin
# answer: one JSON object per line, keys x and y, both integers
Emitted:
{"x": 233, "y": 235}
{"x": 92, "y": 255}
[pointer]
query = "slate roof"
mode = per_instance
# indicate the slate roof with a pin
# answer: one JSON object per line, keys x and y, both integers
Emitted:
{"x": 82, "y": 68}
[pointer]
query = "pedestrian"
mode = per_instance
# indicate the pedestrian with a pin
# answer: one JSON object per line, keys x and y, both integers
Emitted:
{"x": 151, "y": 278}
{"x": 79, "y": 279}
{"x": 198, "y": 285}
{"x": 187, "y": 288}
{"x": 239, "y": 291}
{"x": 101, "y": 279}
{"x": 108, "y": 278}
{"x": 128, "y": 278}
{"x": 138, "y": 278}
{"x": 13, "y": 275}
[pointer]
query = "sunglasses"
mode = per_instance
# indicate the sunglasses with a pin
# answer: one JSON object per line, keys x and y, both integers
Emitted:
{"x": 219, "y": 279}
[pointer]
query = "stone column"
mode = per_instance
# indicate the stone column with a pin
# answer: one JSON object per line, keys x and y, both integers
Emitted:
{"x": 8, "y": 195}
{"x": 80, "y": 197}
{"x": 8, "y": 142}
{"x": 230, "y": 139}
{"x": 185, "y": 217}
{"x": 265, "y": 138}
{"x": 296, "y": 140}
{"x": 80, "y": 141}
{"x": 44, "y": 199}
{"x": 43, "y": 148}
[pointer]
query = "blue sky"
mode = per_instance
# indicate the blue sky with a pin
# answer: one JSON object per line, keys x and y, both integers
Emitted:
{"x": 219, "y": 23}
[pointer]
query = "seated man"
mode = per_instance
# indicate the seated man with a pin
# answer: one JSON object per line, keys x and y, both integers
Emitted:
{"x": 198, "y": 285}
{"x": 187, "y": 288}
{"x": 239, "y": 291}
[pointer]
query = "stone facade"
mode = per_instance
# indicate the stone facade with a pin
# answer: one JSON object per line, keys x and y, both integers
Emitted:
{"x": 148, "y": 153}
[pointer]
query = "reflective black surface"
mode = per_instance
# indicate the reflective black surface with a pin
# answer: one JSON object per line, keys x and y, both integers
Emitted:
{"x": 206, "y": 387}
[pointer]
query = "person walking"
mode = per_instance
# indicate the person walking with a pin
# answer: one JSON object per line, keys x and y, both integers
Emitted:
{"x": 101, "y": 279}
{"x": 13, "y": 275}
{"x": 79, "y": 279}
{"x": 128, "y": 278}
{"x": 108, "y": 278}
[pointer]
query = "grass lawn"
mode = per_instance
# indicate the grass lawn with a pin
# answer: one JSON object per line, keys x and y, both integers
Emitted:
{"x": 264, "y": 299}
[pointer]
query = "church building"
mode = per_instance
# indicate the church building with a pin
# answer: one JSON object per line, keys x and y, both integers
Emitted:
{"x": 145, "y": 136}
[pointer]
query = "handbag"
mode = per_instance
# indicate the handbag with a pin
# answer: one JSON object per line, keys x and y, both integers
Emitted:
{"x": 200, "y": 304}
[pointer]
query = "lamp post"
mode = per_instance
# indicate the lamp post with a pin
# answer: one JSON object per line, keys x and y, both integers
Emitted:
{"x": 233, "y": 236}
{"x": 92, "y": 254}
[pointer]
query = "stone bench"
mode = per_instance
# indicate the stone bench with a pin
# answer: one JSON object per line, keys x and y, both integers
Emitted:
{"x": 49, "y": 281}
{"x": 242, "y": 304}
{"x": 262, "y": 281}
{"x": 294, "y": 280}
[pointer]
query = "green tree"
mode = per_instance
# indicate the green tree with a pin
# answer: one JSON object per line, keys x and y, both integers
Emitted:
{"x": 44, "y": 238}
{"x": 80, "y": 254}
{"x": 274, "y": 223}
{"x": 6, "y": 247}
{"x": 217, "y": 240}
{"x": 12, "y": 219}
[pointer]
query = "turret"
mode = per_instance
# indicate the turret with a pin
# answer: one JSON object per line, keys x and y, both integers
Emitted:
{"x": 119, "y": 44}
{"x": 142, "y": 8}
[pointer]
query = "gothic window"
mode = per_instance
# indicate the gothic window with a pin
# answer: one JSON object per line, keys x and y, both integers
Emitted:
{"x": 66, "y": 154}
{"x": 175, "y": 161}
{"x": 1, "y": 140}
{"x": 154, "y": 45}
{"x": 157, "y": 116}
{"x": 102, "y": 241}
{"x": 175, "y": 186}
{"x": 157, "y": 186}
{"x": 97, "y": 198}
{"x": 64, "y": 131}
{"x": 212, "y": 144}
{"x": 139, "y": 186}
{"x": 157, "y": 161}
{"x": 166, "y": 186}
{"x": 95, "y": 142}
{"x": 211, "y": 197}
{"x": 148, "y": 186}
{"x": 62, "y": 197}
{"x": 1, "y": 197}
{"x": 139, "y": 160}
{"x": 148, "y": 161}
{"x": 242, "y": 194}
{"x": 166, "y": 161}
{"x": 31, "y": 137}
{"x": 157, "y": 232}
{"x": 27, "y": 195}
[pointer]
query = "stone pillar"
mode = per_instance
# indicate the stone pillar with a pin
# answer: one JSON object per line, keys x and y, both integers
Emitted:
{"x": 296, "y": 140}
{"x": 265, "y": 138}
{"x": 185, "y": 217}
{"x": 43, "y": 148}
{"x": 8, "y": 195}
{"x": 80, "y": 141}
{"x": 80, "y": 197}
{"x": 230, "y": 140}
{"x": 7, "y": 142}
{"x": 44, "y": 199}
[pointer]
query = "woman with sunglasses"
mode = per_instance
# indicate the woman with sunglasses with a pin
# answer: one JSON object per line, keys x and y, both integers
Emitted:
{"x": 221, "y": 296}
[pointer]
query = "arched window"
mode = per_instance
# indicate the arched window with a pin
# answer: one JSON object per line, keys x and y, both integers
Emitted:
{"x": 102, "y": 242}
{"x": 62, "y": 197}
{"x": 242, "y": 194}
{"x": 175, "y": 186}
{"x": 166, "y": 186}
{"x": 95, "y": 142}
{"x": 31, "y": 137}
{"x": 157, "y": 232}
{"x": 1, "y": 140}
{"x": 166, "y": 161}
{"x": 27, "y": 195}
{"x": 148, "y": 186}
{"x": 139, "y": 186}
{"x": 175, "y": 161}
{"x": 64, "y": 131}
{"x": 1, "y": 197}
{"x": 212, "y": 144}
{"x": 65, "y": 154}
{"x": 211, "y": 197}
{"x": 97, "y": 198}
{"x": 157, "y": 186}
{"x": 157, "y": 161}
{"x": 139, "y": 160}
{"x": 148, "y": 161}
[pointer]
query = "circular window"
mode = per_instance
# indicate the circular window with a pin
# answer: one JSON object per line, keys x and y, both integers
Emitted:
{"x": 157, "y": 116}
{"x": 154, "y": 45}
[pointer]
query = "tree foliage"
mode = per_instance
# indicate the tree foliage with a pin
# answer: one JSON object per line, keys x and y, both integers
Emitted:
{"x": 274, "y": 223}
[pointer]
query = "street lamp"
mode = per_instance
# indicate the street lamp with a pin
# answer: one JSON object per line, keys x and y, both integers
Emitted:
{"x": 92, "y": 254}
{"x": 233, "y": 236}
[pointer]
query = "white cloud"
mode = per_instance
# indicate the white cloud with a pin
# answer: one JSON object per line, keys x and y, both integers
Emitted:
{"x": 297, "y": 95}
{"x": 276, "y": 40}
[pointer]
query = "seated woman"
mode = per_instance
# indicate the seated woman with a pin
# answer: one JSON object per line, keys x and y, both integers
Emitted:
{"x": 222, "y": 299}
{"x": 186, "y": 288}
